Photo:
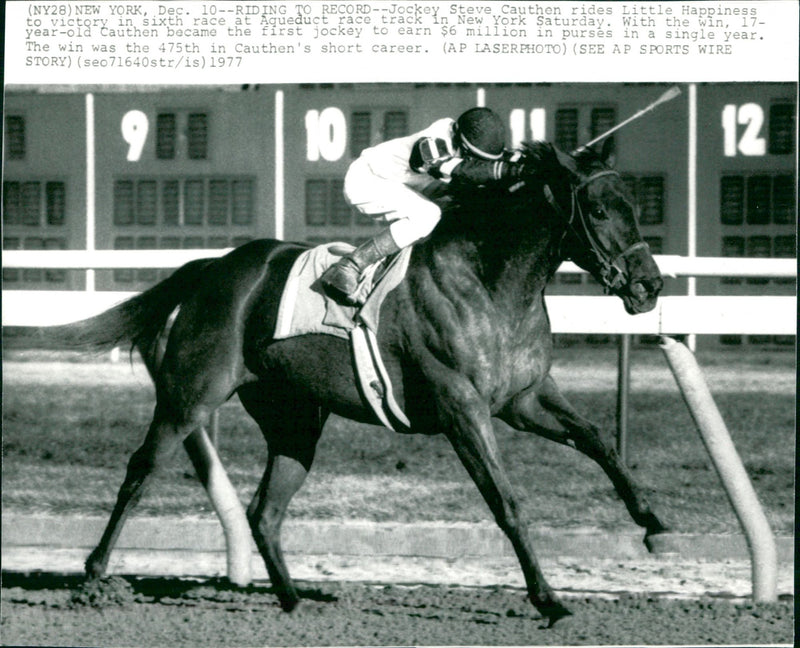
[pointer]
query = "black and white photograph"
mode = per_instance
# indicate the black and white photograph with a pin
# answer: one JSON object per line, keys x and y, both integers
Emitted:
{"x": 413, "y": 323}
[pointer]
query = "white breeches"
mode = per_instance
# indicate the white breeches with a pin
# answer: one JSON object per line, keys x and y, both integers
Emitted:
{"x": 410, "y": 214}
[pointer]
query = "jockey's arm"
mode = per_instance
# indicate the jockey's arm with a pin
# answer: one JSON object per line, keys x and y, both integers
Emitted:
{"x": 482, "y": 172}
{"x": 434, "y": 157}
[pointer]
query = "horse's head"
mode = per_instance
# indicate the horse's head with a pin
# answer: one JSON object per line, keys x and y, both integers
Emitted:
{"x": 601, "y": 234}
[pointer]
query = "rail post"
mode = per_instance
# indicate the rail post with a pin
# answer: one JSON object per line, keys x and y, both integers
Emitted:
{"x": 718, "y": 443}
{"x": 226, "y": 504}
{"x": 623, "y": 391}
{"x": 214, "y": 425}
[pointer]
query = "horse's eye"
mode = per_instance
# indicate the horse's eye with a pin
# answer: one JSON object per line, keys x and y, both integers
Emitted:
{"x": 599, "y": 213}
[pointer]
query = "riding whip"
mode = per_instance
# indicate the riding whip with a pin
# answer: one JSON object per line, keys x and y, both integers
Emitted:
{"x": 669, "y": 95}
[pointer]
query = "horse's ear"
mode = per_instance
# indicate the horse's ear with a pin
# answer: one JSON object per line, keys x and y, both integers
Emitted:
{"x": 608, "y": 154}
{"x": 562, "y": 158}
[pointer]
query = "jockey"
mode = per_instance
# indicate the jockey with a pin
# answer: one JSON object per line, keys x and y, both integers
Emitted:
{"x": 394, "y": 182}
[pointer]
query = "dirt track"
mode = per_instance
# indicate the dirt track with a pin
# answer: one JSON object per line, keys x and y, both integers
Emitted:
{"x": 173, "y": 612}
{"x": 53, "y": 610}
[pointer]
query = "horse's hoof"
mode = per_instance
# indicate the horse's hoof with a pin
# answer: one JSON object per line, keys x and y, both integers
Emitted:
{"x": 553, "y": 612}
{"x": 93, "y": 568}
{"x": 657, "y": 542}
{"x": 289, "y": 603}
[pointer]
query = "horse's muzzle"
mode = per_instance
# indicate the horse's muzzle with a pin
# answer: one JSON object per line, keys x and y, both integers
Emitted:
{"x": 634, "y": 277}
{"x": 641, "y": 295}
{"x": 643, "y": 282}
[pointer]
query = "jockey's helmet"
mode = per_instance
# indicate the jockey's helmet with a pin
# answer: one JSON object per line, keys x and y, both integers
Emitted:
{"x": 480, "y": 132}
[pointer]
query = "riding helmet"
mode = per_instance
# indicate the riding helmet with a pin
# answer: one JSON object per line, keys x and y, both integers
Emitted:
{"x": 481, "y": 132}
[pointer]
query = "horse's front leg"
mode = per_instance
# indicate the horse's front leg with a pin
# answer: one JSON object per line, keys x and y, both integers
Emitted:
{"x": 545, "y": 411}
{"x": 465, "y": 419}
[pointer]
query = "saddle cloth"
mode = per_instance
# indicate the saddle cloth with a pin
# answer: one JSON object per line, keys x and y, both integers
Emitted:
{"x": 304, "y": 308}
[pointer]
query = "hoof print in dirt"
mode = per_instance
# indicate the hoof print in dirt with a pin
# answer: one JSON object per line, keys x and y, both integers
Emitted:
{"x": 104, "y": 592}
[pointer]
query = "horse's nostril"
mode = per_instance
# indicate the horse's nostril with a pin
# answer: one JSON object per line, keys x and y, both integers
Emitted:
{"x": 639, "y": 291}
{"x": 647, "y": 287}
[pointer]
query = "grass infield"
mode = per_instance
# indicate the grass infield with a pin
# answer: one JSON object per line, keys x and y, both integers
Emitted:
{"x": 70, "y": 425}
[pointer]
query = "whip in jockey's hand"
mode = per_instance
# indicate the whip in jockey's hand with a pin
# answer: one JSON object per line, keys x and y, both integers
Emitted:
{"x": 391, "y": 182}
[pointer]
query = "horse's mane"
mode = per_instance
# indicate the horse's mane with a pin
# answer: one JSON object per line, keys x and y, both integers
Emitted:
{"x": 547, "y": 159}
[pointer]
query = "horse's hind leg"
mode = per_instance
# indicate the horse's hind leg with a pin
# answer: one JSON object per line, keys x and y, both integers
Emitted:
{"x": 189, "y": 386}
{"x": 162, "y": 438}
{"x": 538, "y": 411}
{"x": 292, "y": 426}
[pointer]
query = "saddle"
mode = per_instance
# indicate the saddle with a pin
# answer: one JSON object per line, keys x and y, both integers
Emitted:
{"x": 305, "y": 309}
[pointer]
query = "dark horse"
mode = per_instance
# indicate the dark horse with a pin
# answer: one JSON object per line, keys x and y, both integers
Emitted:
{"x": 465, "y": 337}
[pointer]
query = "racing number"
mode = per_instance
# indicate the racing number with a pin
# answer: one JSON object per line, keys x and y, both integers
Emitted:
{"x": 134, "y": 129}
{"x": 326, "y": 134}
{"x": 751, "y": 116}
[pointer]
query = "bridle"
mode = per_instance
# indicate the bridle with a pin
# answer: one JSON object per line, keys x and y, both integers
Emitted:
{"x": 611, "y": 272}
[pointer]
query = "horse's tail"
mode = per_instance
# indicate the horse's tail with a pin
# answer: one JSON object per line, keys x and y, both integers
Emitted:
{"x": 137, "y": 322}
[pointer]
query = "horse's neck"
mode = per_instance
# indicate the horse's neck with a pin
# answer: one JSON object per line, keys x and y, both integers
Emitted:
{"x": 512, "y": 260}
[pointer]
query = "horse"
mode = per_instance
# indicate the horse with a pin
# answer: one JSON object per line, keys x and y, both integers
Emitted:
{"x": 465, "y": 338}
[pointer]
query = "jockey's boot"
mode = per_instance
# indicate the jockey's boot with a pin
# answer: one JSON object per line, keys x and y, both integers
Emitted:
{"x": 340, "y": 281}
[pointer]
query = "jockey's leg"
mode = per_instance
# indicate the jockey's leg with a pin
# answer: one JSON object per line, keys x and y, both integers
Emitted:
{"x": 408, "y": 229}
{"x": 411, "y": 218}
{"x": 340, "y": 281}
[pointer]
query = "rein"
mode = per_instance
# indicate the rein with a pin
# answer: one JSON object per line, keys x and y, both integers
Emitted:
{"x": 611, "y": 274}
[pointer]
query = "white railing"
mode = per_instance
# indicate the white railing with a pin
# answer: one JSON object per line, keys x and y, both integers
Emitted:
{"x": 752, "y": 314}
{"x": 670, "y": 265}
